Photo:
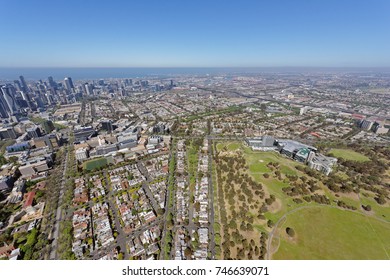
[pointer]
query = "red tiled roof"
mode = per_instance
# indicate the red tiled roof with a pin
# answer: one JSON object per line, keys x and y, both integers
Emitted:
{"x": 357, "y": 116}
{"x": 315, "y": 134}
{"x": 6, "y": 250}
{"x": 29, "y": 199}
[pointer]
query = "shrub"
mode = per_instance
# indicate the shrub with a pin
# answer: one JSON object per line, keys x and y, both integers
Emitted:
{"x": 367, "y": 207}
{"x": 290, "y": 232}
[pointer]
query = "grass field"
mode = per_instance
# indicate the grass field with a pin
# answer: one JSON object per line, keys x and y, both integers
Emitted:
{"x": 381, "y": 211}
{"x": 348, "y": 155}
{"x": 233, "y": 146}
{"x": 330, "y": 233}
{"x": 322, "y": 232}
{"x": 257, "y": 162}
{"x": 95, "y": 164}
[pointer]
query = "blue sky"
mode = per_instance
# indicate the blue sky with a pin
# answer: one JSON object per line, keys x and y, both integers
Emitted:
{"x": 196, "y": 33}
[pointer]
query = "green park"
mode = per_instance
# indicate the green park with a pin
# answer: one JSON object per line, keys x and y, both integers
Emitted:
{"x": 348, "y": 154}
{"x": 327, "y": 224}
{"x": 95, "y": 164}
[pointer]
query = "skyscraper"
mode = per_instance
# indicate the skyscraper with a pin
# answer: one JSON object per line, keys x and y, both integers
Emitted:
{"x": 88, "y": 89}
{"x": 18, "y": 85}
{"x": 128, "y": 82}
{"x": 3, "y": 107}
{"x": 68, "y": 83}
{"x": 24, "y": 84}
{"x": 52, "y": 83}
{"x": 8, "y": 96}
{"x": 26, "y": 97}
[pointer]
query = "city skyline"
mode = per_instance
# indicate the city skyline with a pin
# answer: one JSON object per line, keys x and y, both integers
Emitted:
{"x": 236, "y": 132}
{"x": 196, "y": 167}
{"x": 176, "y": 34}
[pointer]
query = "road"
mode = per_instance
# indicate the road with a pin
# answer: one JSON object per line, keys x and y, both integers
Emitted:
{"x": 56, "y": 228}
{"x": 211, "y": 203}
{"x": 145, "y": 186}
{"x": 124, "y": 238}
{"x": 167, "y": 208}
{"x": 191, "y": 192}
{"x": 120, "y": 240}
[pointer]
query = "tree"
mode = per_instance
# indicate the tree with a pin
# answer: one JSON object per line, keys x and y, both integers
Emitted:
{"x": 170, "y": 220}
{"x": 232, "y": 224}
{"x": 367, "y": 207}
{"x": 13, "y": 159}
{"x": 381, "y": 199}
{"x": 188, "y": 253}
{"x": 197, "y": 206}
{"x": 290, "y": 231}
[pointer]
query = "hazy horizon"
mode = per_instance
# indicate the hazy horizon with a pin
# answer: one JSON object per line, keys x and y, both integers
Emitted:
{"x": 35, "y": 73}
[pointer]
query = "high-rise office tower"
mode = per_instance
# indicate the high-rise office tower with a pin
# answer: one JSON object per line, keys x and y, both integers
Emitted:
{"x": 49, "y": 98}
{"x": 128, "y": 82}
{"x": 8, "y": 94}
{"x": 20, "y": 101}
{"x": 18, "y": 85}
{"x": 4, "y": 110}
{"x": 52, "y": 83}
{"x": 68, "y": 83}
{"x": 24, "y": 84}
{"x": 28, "y": 99}
{"x": 88, "y": 89}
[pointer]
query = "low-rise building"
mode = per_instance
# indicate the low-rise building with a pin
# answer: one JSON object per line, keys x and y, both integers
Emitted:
{"x": 264, "y": 143}
{"x": 51, "y": 141}
{"x": 81, "y": 154}
{"x": 322, "y": 163}
{"x": 35, "y": 166}
{"x": 18, "y": 147}
{"x": 154, "y": 140}
{"x": 6, "y": 183}
{"x": 83, "y": 134}
{"x": 8, "y": 133}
